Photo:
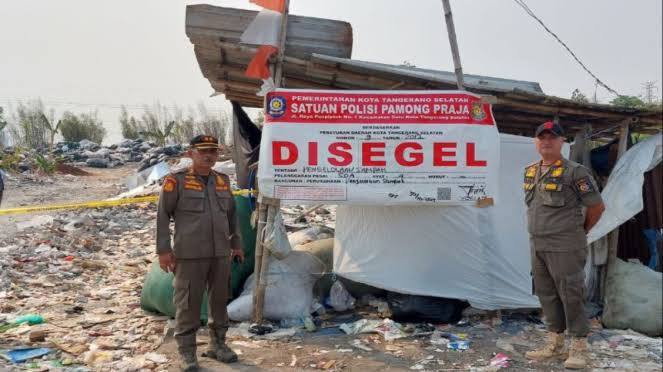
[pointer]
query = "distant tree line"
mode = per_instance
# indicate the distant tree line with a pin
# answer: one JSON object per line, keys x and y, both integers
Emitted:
{"x": 32, "y": 125}
{"x": 163, "y": 125}
{"x": 649, "y": 102}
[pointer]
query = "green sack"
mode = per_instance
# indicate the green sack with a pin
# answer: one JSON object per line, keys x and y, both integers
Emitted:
{"x": 157, "y": 293}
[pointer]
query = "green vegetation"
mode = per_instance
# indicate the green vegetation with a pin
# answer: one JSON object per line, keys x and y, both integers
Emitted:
{"x": 75, "y": 128}
{"x": 163, "y": 126}
{"x": 29, "y": 126}
{"x": 45, "y": 165}
{"x": 9, "y": 162}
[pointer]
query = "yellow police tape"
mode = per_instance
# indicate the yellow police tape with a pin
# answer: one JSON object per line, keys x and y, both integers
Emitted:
{"x": 96, "y": 204}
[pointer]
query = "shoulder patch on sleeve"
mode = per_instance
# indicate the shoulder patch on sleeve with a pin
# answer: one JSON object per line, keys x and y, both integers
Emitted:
{"x": 584, "y": 185}
{"x": 169, "y": 184}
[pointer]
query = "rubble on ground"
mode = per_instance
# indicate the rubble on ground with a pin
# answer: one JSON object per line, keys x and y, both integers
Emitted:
{"x": 70, "y": 285}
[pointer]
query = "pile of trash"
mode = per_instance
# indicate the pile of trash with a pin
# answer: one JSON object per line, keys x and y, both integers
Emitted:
{"x": 136, "y": 151}
{"x": 88, "y": 153}
{"x": 69, "y": 291}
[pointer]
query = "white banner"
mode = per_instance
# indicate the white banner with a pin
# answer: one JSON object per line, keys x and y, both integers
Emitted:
{"x": 378, "y": 147}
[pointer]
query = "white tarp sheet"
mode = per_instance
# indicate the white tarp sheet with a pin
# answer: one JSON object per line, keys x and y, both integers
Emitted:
{"x": 622, "y": 194}
{"x": 480, "y": 255}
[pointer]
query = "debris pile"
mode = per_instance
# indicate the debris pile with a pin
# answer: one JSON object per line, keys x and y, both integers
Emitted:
{"x": 80, "y": 275}
{"x": 88, "y": 153}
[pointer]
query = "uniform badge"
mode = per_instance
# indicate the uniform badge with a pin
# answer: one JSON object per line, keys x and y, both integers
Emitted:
{"x": 585, "y": 185}
{"x": 557, "y": 172}
{"x": 169, "y": 184}
{"x": 531, "y": 172}
{"x": 553, "y": 187}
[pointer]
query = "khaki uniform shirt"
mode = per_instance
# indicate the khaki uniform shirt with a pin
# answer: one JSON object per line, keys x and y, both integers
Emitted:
{"x": 204, "y": 214}
{"x": 554, "y": 204}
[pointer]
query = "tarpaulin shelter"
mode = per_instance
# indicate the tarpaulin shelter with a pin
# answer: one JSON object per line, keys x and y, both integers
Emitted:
{"x": 317, "y": 56}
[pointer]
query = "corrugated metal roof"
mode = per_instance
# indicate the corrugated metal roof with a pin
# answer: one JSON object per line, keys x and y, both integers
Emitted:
{"x": 478, "y": 81}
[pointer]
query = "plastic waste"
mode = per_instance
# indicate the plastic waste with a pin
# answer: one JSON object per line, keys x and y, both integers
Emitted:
{"x": 289, "y": 292}
{"x": 339, "y": 298}
{"x": 458, "y": 345}
{"x": 20, "y": 355}
{"x": 500, "y": 360}
{"x": 389, "y": 329}
{"x": 31, "y": 319}
{"x": 308, "y": 324}
{"x": 417, "y": 309}
{"x": 277, "y": 239}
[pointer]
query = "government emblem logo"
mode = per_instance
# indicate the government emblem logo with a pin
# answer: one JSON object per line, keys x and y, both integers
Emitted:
{"x": 276, "y": 107}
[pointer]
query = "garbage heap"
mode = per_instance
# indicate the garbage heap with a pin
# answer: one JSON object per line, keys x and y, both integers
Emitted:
{"x": 88, "y": 153}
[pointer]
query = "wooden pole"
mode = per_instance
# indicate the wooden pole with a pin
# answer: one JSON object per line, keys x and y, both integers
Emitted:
{"x": 613, "y": 236}
{"x": 451, "y": 31}
{"x": 259, "y": 253}
{"x": 271, "y": 206}
{"x": 278, "y": 76}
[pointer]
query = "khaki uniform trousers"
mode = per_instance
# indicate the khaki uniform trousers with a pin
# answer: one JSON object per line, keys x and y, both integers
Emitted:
{"x": 559, "y": 282}
{"x": 192, "y": 278}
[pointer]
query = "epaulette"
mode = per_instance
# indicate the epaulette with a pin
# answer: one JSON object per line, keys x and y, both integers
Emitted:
{"x": 532, "y": 164}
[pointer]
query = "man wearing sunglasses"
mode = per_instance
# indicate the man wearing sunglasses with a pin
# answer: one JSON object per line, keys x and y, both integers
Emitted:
{"x": 206, "y": 240}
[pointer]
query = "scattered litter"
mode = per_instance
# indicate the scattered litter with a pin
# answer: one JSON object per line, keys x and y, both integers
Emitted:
{"x": 502, "y": 344}
{"x": 260, "y": 329}
{"x": 293, "y": 362}
{"x": 37, "y": 336}
{"x": 458, "y": 345}
{"x": 360, "y": 345}
{"x": 242, "y": 330}
{"x": 437, "y": 339}
{"x": 35, "y": 222}
{"x": 156, "y": 358}
{"x": 389, "y": 329}
{"x": 21, "y": 355}
{"x": 500, "y": 360}
{"x": 339, "y": 297}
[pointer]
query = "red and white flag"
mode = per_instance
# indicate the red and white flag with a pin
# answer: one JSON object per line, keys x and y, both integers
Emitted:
{"x": 275, "y": 5}
{"x": 264, "y": 30}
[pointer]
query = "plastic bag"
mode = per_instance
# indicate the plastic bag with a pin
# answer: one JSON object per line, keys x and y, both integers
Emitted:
{"x": 424, "y": 309}
{"x": 339, "y": 298}
{"x": 277, "y": 239}
{"x": 289, "y": 292}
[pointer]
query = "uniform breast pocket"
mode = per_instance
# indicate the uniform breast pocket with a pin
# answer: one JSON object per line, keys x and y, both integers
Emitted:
{"x": 224, "y": 199}
{"x": 553, "y": 199}
{"x": 192, "y": 203}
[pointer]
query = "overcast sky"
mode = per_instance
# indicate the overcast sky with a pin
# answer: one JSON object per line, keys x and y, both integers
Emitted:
{"x": 135, "y": 52}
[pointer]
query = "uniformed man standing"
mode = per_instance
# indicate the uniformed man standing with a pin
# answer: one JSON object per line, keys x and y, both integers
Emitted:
{"x": 200, "y": 202}
{"x": 556, "y": 190}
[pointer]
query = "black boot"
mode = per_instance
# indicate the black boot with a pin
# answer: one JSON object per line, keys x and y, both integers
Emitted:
{"x": 217, "y": 347}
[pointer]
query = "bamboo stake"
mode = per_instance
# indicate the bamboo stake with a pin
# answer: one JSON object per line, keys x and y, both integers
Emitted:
{"x": 451, "y": 31}
{"x": 272, "y": 205}
{"x": 613, "y": 236}
{"x": 259, "y": 253}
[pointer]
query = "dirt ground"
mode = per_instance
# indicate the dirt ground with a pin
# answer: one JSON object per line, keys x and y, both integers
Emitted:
{"x": 325, "y": 349}
{"x": 36, "y": 190}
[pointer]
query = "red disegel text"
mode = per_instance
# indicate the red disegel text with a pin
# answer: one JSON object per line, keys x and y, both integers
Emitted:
{"x": 375, "y": 154}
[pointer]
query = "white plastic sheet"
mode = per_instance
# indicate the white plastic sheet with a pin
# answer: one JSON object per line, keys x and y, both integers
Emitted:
{"x": 623, "y": 192}
{"x": 479, "y": 255}
{"x": 264, "y": 29}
